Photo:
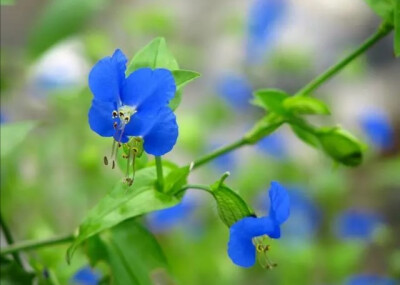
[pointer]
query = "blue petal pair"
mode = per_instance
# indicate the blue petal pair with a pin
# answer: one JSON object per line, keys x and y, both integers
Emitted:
{"x": 241, "y": 249}
{"x": 136, "y": 105}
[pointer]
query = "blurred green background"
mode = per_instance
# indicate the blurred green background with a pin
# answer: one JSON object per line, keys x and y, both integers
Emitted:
{"x": 344, "y": 222}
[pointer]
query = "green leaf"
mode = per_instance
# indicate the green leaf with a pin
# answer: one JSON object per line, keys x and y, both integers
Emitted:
{"x": 12, "y": 274}
{"x": 153, "y": 55}
{"x": 263, "y": 128}
{"x": 59, "y": 20}
{"x": 397, "y": 28}
{"x": 174, "y": 181}
{"x": 157, "y": 55}
{"x": 13, "y": 134}
{"x": 271, "y": 100}
{"x": 383, "y": 8}
{"x": 131, "y": 251}
{"x": 342, "y": 146}
{"x": 306, "y": 105}
{"x": 305, "y": 136}
{"x": 231, "y": 207}
{"x": 122, "y": 203}
{"x": 182, "y": 77}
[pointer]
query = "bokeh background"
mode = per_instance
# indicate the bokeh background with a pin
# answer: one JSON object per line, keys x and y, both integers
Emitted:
{"x": 345, "y": 223}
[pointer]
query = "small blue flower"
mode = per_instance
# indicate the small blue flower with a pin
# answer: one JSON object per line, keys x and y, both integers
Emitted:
{"x": 262, "y": 22}
{"x": 86, "y": 276}
{"x": 236, "y": 90}
{"x": 164, "y": 220}
{"x": 136, "y": 105}
{"x": 274, "y": 145}
{"x": 369, "y": 279}
{"x": 376, "y": 126}
{"x": 356, "y": 224}
{"x": 241, "y": 249}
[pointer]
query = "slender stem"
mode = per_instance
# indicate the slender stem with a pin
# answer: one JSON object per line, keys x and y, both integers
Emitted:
{"x": 160, "y": 177}
{"x": 237, "y": 144}
{"x": 28, "y": 245}
{"x": 10, "y": 240}
{"x": 382, "y": 31}
{"x": 194, "y": 186}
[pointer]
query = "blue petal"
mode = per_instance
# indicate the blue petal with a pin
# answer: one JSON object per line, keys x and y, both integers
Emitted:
{"x": 107, "y": 76}
{"x": 280, "y": 204}
{"x": 148, "y": 90}
{"x": 369, "y": 279}
{"x": 377, "y": 127}
{"x": 240, "y": 246}
{"x": 86, "y": 276}
{"x": 357, "y": 224}
{"x": 162, "y": 136}
{"x": 100, "y": 118}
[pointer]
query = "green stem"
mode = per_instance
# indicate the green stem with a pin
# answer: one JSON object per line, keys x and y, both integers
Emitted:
{"x": 10, "y": 240}
{"x": 160, "y": 177}
{"x": 237, "y": 144}
{"x": 382, "y": 31}
{"x": 29, "y": 245}
{"x": 194, "y": 186}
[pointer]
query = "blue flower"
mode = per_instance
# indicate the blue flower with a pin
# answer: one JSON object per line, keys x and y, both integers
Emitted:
{"x": 164, "y": 220}
{"x": 241, "y": 249}
{"x": 356, "y": 224}
{"x": 262, "y": 22}
{"x": 274, "y": 145}
{"x": 369, "y": 279}
{"x": 236, "y": 90}
{"x": 376, "y": 126}
{"x": 86, "y": 276}
{"x": 136, "y": 105}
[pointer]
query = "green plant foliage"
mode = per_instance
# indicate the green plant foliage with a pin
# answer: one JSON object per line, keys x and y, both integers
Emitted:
{"x": 11, "y": 273}
{"x": 131, "y": 251}
{"x": 231, "y": 207}
{"x": 305, "y": 135}
{"x": 157, "y": 55}
{"x": 13, "y": 134}
{"x": 271, "y": 100}
{"x": 383, "y": 8}
{"x": 174, "y": 181}
{"x": 264, "y": 127}
{"x": 60, "y": 19}
{"x": 122, "y": 203}
{"x": 182, "y": 77}
{"x": 340, "y": 145}
{"x": 154, "y": 55}
{"x": 397, "y": 28}
{"x": 306, "y": 105}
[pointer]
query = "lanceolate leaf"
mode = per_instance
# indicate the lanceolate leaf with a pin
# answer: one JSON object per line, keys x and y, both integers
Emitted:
{"x": 271, "y": 100}
{"x": 122, "y": 203}
{"x": 157, "y": 55}
{"x": 182, "y": 77}
{"x": 154, "y": 55}
{"x": 131, "y": 252}
{"x": 383, "y": 8}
